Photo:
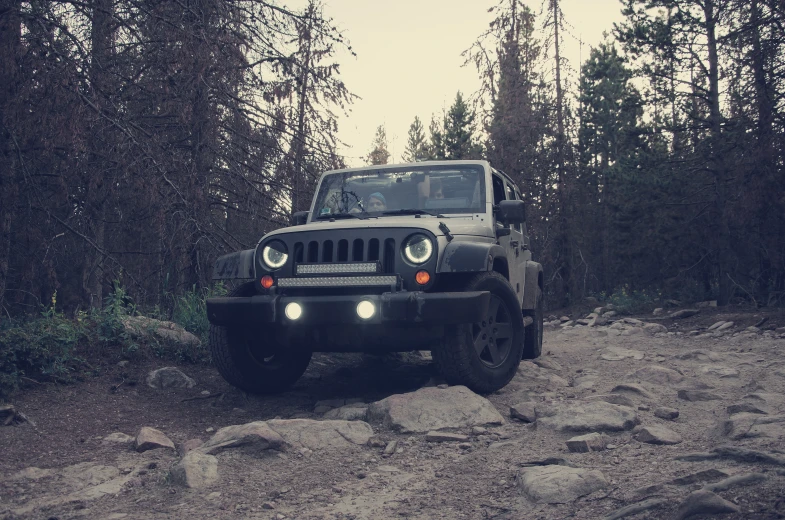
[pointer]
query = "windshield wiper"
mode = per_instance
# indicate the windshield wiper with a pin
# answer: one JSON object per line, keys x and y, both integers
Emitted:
{"x": 411, "y": 211}
{"x": 341, "y": 215}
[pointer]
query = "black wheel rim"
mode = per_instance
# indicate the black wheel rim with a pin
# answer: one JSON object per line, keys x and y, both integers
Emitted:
{"x": 492, "y": 337}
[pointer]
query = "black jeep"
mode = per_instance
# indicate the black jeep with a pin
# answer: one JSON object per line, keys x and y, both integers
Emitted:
{"x": 422, "y": 256}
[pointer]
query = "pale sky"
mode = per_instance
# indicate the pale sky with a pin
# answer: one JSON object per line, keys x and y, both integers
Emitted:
{"x": 409, "y": 58}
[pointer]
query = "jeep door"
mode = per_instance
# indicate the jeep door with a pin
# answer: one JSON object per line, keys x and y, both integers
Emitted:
{"x": 510, "y": 243}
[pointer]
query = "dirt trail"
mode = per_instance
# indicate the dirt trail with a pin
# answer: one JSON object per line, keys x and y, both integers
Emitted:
{"x": 62, "y": 468}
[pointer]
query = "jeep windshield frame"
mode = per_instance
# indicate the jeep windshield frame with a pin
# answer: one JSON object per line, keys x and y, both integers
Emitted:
{"x": 427, "y": 189}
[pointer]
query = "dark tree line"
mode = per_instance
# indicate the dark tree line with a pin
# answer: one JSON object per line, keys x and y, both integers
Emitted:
{"x": 661, "y": 166}
{"x": 139, "y": 140}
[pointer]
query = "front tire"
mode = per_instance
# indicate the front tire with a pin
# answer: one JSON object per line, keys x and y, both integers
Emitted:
{"x": 484, "y": 356}
{"x": 254, "y": 362}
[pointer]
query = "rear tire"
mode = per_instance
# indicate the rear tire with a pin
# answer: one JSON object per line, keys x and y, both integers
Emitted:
{"x": 484, "y": 356}
{"x": 532, "y": 343}
{"x": 253, "y": 362}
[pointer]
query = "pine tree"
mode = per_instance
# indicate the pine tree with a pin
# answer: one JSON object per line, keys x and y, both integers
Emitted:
{"x": 416, "y": 145}
{"x": 436, "y": 148}
{"x": 379, "y": 153}
{"x": 459, "y": 141}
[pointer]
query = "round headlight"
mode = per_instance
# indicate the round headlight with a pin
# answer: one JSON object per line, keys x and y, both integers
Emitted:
{"x": 418, "y": 249}
{"x": 274, "y": 255}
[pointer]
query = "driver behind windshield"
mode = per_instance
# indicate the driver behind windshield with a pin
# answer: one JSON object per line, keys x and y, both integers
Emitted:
{"x": 377, "y": 202}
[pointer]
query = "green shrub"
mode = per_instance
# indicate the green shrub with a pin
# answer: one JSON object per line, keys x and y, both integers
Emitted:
{"x": 190, "y": 310}
{"x": 631, "y": 301}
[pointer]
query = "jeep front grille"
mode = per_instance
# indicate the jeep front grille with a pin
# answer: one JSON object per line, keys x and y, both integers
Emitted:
{"x": 346, "y": 250}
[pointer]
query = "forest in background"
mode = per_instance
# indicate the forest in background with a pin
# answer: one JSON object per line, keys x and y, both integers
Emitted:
{"x": 141, "y": 140}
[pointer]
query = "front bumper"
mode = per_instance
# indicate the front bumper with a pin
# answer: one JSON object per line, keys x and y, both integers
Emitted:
{"x": 398, "y": 307}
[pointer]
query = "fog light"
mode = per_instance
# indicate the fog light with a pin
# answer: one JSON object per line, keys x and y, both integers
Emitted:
{"x": 293, "y": 311}
{"x": 366, "y": 310}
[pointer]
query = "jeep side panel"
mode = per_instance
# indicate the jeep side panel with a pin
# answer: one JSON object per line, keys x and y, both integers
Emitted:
{"x": 235, "y": 266}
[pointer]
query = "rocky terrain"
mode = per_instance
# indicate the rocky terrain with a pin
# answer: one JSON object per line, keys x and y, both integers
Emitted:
{"x": 658, "y": 417}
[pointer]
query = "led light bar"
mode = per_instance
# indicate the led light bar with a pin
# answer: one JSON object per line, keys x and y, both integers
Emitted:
{"x": 363, "y": 267}
{"x": 339, "y": 281}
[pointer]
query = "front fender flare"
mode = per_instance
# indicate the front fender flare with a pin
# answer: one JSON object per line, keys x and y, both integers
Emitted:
{"x": 466, "y": 257}
{"x": 532, "y": 285}
{"x": 235, "y": 266}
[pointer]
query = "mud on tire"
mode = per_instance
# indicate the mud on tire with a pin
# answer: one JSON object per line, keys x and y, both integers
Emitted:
{"x": 255, "y": 362}
{"x": 485, "y": 355}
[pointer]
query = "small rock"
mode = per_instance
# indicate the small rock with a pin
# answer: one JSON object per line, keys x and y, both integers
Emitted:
{"x": 703, "y": 502}
{"x": 268, "y": 505}
{"x": 656, "y": 374}
{"x": 725, "y": 326}
{"x": 684, "y": 313}
{"x": 698, "y": 395}
{"x": 196, "y": 470}
{"x": 655, "y": 328}
{"x": 658, "y": 311}
{"x": 656, "y": 434}
{"x": 150, "y": 439}
{"x": 257, "y": 434}
{"x": 621, "y": 400}
{"x": 524, "y": 412}
{"x": 663, "y": 412}
{"x": 587, "y": 443}
{"x": 376, "y": 442}
{"x": 435, "y": 436}
{"x": 390, "y": 449}
{"x": 479, "y": 430}
{"x": 169, "y": 377}
{"x": 716, "y": 325}
{"x": 123, "y": 364}
{"x": 719, "y": 370}
{"x": 120, "y": 438}
{"x": 547, "y": 364}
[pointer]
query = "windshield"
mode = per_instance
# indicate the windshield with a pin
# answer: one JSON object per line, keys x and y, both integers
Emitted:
{"x": 389, "y": 191}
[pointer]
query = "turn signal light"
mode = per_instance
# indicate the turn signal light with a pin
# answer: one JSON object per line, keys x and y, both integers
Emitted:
{"x": 422, "y": 277}
{"x": 267, "y": 281}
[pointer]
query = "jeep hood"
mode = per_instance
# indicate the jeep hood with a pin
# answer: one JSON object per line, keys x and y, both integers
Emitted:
{"x": 469, "y": 225}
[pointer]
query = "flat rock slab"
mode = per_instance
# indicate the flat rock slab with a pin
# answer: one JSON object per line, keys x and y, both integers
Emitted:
{"x": 706, "y": 475}
{"x": 656, "y": 374}
{"x": 318, "y": 435}
{"x": 196, "y": 470}
{"x": 750, "y": 425}
{"x": 621, "y": 400}
{"x": 703, "y": 502}
{"x": 118, "y": 437}
{"x": 698, "y": 395}
{"x": 618, "y": 354}
{"x": 560, "y": 484}
{"x": 150, "y": 439}
{"x": 656, "y": 434}
{"x": 664, "y": 412}
{"x": 719, "y": 371}
{"x": 745, "y": 407}
{"x": 587, "y": 443}
{"x": 593, "y": 416}
{"x": 169, "y": 377}
{"x": 633, "y": 389}
{"x": 445, "y": 437}
{"x": 699, "y": 355}
{"x": 256, "y": 434}
{"x": 432, "y": 408}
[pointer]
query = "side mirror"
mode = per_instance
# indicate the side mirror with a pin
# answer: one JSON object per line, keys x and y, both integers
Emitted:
{"x": 511, "y": 212}
{"x": 300, "y": 217}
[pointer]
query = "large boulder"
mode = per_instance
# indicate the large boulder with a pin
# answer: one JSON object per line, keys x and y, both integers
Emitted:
{"x": 317, "y": 435}
{"x": 144, "y": 327}
{"x": 433, "y": 409}
{"x": 169, "y": 377}
{"x": 560, "y": 484}
{"x": 593, "y": 416}
{"x": 257, "y": 435}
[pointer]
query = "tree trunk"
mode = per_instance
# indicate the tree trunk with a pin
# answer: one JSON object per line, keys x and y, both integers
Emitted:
{"x": 10, "y": 45}
{"x": 716, "y": 159}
